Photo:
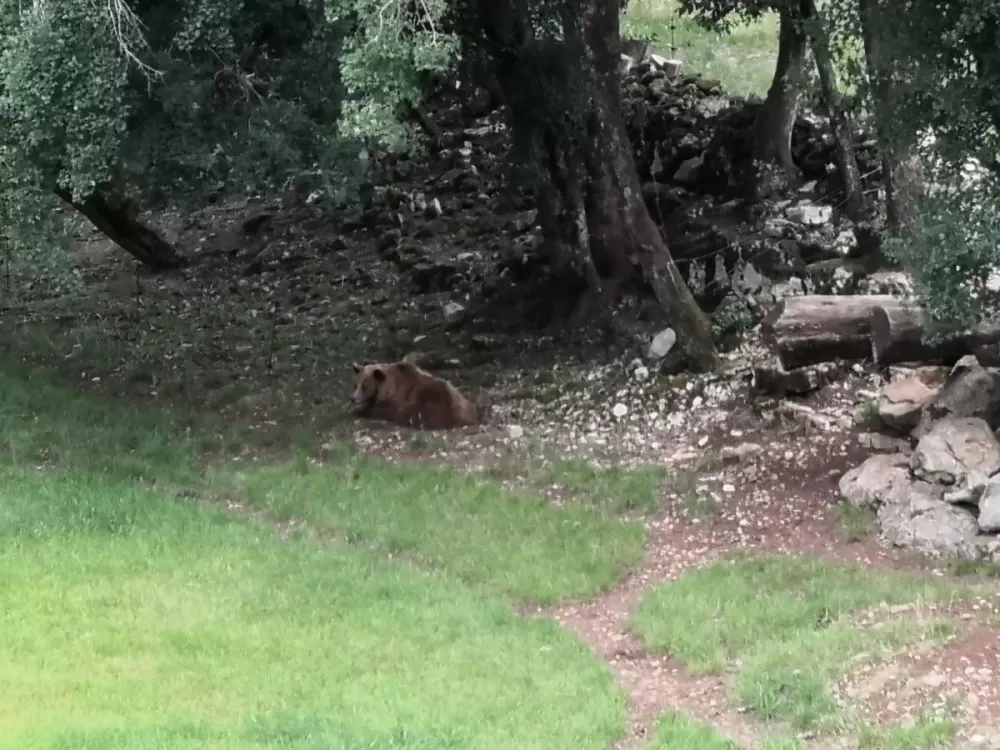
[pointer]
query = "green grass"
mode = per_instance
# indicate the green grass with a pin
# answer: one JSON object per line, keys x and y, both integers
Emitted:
{"x": 743, "y": 60}
{"x": 924, "y": 734}
{"x": 979, "y": 569}
{"x": 132, "y": 621}
{"x": 617, "y": 490}
{"x": 49, "y": 425}
{"x": 677, "y": 732}
{"x": 855, "y": 523}
{"x": 516, "y": 545}
{"x": 787, "y": 622}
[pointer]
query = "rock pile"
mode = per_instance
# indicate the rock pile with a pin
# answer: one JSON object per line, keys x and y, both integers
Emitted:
{"x": 940, "y": 494}
{"x": 693, "y": 146}
{"x": 691, "y": 142}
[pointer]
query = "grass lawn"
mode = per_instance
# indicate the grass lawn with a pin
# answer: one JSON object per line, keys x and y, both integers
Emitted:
{"x": 505, "y": 544}
{"x": 513, "y": 545}
{"x": 133, "y": 620}
{"x": 677, "y": 732}
{"x": 925, "y": 733}
{"x": 787, "y": 623}
{"x": 742, "y": 60}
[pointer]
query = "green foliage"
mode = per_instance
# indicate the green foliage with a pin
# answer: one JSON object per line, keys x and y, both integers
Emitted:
{"x": 725, "y": 15}
{"x": 164, "y": 103}
{"x": 944, "y": 64}
{"x": 742, "y": 57}
{"x": 952, "y": 254}
{"x": 395, "y": 47}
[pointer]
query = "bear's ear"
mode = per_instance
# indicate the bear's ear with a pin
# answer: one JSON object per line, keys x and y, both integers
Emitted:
{"x": 357, "y": 368}
{"x": 379, "y": 374}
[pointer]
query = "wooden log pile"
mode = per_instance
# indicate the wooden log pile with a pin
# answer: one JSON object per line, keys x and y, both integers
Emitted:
{"x": 814, "y": 329}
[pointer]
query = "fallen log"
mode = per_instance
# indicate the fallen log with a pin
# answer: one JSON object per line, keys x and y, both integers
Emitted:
{"x": 816, "y": 328}
{"x": 898, "y": 335}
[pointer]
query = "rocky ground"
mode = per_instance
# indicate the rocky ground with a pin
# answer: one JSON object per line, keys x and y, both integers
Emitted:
{"x": 284, "y": 294}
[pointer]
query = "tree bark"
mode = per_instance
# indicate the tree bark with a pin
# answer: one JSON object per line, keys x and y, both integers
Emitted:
{"x": 816, "y": 328}
{"x": 595, "y": 222}
{"x": 900, "y": 166}
{"x": 898, "y": 334}
{"x": 116, "y": 220}
{"x": 772, "y": 130}
{"x": 820, "y": 42}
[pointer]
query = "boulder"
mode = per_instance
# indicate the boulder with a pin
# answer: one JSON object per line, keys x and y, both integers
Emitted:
{"x": 869, "y": 485}
{"x": 954, "y": 447}
{"x": 911, "y": 513}
{"x": 661, "y": 344}
{"x": 901, "y": 403}
{"x": 971, "y": 390}
{"x": 915, "y": 518}
{"x": 989, "y": 507}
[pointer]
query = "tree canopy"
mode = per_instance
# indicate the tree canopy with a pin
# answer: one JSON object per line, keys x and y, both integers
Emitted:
{"x": 115, "y": 108}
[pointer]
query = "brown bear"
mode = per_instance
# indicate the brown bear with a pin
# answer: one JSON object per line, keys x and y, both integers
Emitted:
{"x": 405, "y": 395}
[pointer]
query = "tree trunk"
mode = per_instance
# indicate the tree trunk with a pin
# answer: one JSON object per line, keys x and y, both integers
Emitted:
{"x": 117, "y": 221}
{"x": 594, "y": 219}
{"x": 772, "y": 130}
{"x": 900, "y": 165}
{"x": 820, "y": 42}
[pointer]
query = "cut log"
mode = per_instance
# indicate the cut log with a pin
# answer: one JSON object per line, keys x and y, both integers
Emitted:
{"x": 898, "y": 335}
{"x": 818, "y": 328}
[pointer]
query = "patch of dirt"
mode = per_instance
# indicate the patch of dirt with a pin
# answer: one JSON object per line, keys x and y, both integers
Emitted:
{"x": 961, "y": 680}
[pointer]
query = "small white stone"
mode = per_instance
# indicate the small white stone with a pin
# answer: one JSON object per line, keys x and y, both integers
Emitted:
{"x": 453, "y": 311}
{"x": 619, "y": 410}
{"x": 661, "y": 344}
{"x": 641, "y": 373}
{"x": 515, "y": 431}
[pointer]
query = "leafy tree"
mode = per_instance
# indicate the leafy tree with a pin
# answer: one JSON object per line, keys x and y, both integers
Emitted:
{"x": 554, "y": 65}
{"x": 941, "y": 65}
{"x": 116, "y": 108}
{"x": 802, "y": 26}
{"x": 773, "y": 169}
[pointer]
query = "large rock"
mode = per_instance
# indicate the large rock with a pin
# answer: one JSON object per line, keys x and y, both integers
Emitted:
{"x": 915, "y": 518}
{"x": 954, "y": 447}
{"x": 989, "y": 508}
{"x": 901, "y": 403}
{"x": 910, "y": 512}
{"x": 971, "y": 390}
{"x": 872, "y": 483}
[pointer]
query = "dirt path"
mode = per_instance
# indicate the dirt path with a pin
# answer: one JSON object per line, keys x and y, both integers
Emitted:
{"x": 780, "y": 506}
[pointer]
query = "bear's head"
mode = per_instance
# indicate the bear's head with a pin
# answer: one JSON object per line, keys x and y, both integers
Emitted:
{"x": 369, "y": 381}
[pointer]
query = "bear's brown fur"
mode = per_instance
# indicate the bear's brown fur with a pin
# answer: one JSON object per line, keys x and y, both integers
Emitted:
{"x": 405, "y": 395}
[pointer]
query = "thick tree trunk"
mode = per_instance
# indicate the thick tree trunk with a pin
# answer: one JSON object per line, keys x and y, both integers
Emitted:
{"x": 594, "y": 219}
{"x": 900, "y": 166}
{"x": 820, "y": 42}
{"x": 118, "y": 222}
{"x": 622, "y": 223}
{"x": 772, "y": 131}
